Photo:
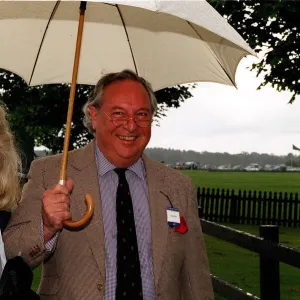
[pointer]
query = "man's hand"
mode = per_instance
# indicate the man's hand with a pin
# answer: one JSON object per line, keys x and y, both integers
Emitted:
{"x": 56, "y": 208}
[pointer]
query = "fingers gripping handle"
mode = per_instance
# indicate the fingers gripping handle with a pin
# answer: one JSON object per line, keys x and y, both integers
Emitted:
{"x": 90, "y": 205}
{"x": 87, "y": 216}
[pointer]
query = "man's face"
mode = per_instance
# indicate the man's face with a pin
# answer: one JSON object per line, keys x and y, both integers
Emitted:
{"x": 122, "y": 145}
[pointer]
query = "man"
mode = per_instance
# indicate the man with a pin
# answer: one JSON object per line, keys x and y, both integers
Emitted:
{"x": 136, "y": 245}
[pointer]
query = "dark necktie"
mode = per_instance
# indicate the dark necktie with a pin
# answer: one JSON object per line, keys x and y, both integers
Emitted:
{"x": 129, "y": 282}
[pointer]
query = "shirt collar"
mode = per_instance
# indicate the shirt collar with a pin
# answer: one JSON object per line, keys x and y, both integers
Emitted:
{"x": 104, "y": 165}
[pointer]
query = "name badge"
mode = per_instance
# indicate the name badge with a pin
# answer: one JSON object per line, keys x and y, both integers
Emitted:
{"x": 173, "y": 216}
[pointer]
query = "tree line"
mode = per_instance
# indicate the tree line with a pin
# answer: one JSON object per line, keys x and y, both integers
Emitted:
{"x": 172, "y": 156}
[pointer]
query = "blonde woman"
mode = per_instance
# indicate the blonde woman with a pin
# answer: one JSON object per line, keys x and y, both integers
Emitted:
{"x": 9, "y": 182}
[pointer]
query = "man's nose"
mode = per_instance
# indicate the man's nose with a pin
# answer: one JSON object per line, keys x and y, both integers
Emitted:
{"x": 131, "y": 125}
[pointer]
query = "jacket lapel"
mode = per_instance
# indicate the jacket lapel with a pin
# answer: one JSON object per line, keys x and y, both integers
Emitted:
{"x": 158, "y": 203}
{"x": 86, "y": 176}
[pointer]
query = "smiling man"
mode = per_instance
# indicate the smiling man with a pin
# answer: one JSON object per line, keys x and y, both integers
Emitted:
{"x": 144, "y": 240}
{"x": 121, "y": 121}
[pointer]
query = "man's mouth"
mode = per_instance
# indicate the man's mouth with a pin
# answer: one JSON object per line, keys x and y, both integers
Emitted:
{"x": 127, "y": 138}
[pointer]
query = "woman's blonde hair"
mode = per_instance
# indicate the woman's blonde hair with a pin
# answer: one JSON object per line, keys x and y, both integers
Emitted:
{"x": 9, "y": 167}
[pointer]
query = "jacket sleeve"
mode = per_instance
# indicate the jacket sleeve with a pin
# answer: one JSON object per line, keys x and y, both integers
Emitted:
{"x": 23, "y": 233}
{"x": 195, "y": 280}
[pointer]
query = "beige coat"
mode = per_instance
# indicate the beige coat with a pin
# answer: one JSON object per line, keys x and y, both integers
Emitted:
{"x": 76, "y": 270}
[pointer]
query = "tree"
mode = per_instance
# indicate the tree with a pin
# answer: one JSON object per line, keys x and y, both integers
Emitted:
{"x": 37, "y": 115}
{"x": 274, "y": 28}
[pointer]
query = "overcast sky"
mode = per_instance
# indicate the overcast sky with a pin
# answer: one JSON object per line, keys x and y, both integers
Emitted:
{"x": 220, "y": 118}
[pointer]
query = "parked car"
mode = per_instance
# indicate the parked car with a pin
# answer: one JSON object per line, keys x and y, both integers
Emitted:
{"x": 190, "y": 165}
{"x": 237, "y": 168}
{"x": 180, "y": 166}
{"x": 253, "y": 168}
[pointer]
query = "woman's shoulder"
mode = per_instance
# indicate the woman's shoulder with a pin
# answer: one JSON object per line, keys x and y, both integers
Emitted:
{"x": 4, "y": 218}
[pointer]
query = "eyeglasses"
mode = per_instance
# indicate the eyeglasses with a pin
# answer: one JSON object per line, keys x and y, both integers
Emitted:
{"x": 140, "y": 120}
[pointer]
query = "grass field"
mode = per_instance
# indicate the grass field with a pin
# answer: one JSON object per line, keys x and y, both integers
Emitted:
{"x": 259, "y": 181}
{"x": 36, "y": 278}
{"x": 240, "y": 267}
{"x": 234, "y": 264}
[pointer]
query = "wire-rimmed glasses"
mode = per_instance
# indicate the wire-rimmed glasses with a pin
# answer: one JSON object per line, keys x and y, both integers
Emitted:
{"x": 140, "y": 121}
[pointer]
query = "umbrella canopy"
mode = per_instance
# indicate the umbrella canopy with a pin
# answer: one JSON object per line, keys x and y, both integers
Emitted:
{"x": 167, "y": 42}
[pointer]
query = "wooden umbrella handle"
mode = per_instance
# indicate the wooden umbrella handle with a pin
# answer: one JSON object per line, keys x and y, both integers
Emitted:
{"x": 87, "y": 216}
{"x": 63, "y": 171}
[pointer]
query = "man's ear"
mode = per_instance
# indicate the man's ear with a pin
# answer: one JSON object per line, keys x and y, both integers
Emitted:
{"x": 93, "y": 114}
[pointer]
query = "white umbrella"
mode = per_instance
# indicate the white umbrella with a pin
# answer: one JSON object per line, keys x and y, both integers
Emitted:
{"x": 167, "y": 42}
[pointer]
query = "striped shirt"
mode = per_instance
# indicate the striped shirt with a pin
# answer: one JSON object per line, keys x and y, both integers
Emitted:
{"x": 108, "y": 182}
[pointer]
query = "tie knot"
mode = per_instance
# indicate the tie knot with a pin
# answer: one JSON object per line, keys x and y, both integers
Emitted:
{"x": 120, "y": 172}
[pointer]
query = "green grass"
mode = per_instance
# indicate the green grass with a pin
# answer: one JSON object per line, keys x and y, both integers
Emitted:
{"x": 263, "y": 181}
{"x": 240, "y": 267}
{"x": 36, "y": 278}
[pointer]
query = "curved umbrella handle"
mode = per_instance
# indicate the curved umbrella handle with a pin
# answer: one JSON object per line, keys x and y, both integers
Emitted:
{"x": 87, "y": 216}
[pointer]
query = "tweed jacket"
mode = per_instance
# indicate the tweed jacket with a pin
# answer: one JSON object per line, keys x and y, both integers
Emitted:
{"x": 76, "y": 268}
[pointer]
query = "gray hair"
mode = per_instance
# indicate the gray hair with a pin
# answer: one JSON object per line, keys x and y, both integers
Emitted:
{"x": 96, "y": 97}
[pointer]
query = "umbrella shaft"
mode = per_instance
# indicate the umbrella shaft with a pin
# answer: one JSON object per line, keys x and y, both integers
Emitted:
{"x": 63, "y": 170}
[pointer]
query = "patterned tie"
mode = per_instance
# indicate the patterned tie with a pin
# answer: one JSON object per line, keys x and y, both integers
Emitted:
{"x": 129, "y": 282}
